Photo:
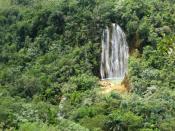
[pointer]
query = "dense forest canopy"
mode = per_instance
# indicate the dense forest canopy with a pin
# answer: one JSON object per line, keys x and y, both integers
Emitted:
{"x": 50, "y": 61}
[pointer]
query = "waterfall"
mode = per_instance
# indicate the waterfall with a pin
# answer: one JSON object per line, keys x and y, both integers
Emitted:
{"x": 114, "y": 56}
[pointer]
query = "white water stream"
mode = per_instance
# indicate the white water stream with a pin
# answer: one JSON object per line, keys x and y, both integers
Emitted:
{"x": 115, "y": 52}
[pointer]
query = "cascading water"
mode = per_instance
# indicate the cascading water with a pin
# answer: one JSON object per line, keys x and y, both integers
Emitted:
{"x": 115, "y": 52}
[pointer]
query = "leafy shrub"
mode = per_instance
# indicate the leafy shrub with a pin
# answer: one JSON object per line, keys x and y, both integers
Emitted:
{"x": 94, "y": 123}
{"x": 86, "y": 111}
{"x": 27, "y": 86}
{"x": 84, "y": 82}
{"x": 18, "y": 110}
{"x": 22, "y": 2}
{"x": 154, "y": 68}
{"x": 37, "y": 127}
{"x": 70, "y": 126}
{"x": 119, "y": 120}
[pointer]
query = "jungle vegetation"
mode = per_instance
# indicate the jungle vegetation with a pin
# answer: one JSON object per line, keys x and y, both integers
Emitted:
{"x": 50, "y": 60}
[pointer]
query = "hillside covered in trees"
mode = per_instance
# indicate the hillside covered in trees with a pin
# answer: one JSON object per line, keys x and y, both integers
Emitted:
{"x": 50, "y": 52}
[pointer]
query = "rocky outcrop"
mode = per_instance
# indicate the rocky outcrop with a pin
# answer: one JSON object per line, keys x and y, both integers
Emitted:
{"x": 108, "y": 86}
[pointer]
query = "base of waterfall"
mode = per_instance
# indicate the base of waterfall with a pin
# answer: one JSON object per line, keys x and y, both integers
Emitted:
{"x": 113, "y": 85}
{"x": 117, "y": 80}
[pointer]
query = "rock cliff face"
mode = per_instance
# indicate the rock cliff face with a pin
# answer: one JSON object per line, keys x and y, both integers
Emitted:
{"x": 108, "y": 86}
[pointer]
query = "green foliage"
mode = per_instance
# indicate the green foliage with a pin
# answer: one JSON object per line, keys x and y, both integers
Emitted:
{"x": 50, "y": 60}
{"x": 22, "y": 2}
{"x": 94, "y": 123}
{"x": 119, "y": 120}
{"x": 86, "y": 112}
{"x": 155, "y": 69}
{"x": 18, "y": 110}
{"x": 5, "y": 4}
{"x": 70, "y": 126}
{"x": 36, "y": 127}
{"x": 27, "y": 86}
{"x": 146, "y": 21}
{"x": 167, "y": 125}
{"x": 84, "y": 82}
